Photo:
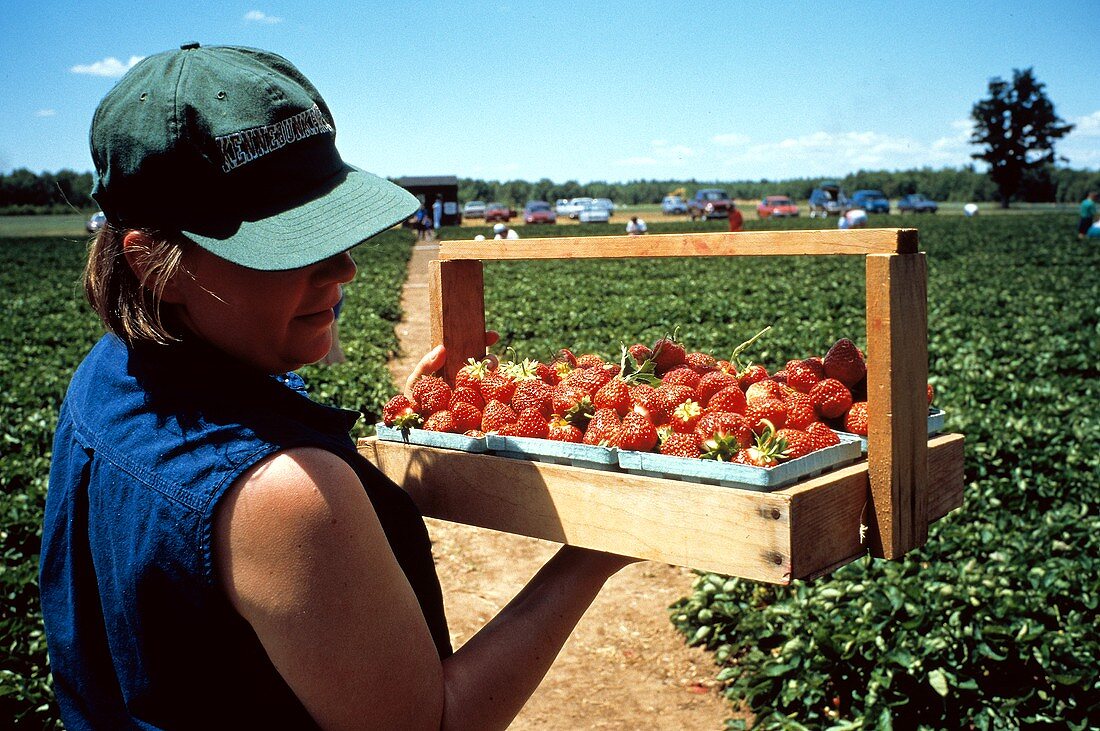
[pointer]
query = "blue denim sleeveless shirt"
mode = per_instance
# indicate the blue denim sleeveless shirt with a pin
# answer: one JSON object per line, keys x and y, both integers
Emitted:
{"x": 148, "y": 441}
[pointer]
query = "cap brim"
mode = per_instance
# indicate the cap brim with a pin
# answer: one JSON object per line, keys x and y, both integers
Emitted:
{"x": 351, "y": 208}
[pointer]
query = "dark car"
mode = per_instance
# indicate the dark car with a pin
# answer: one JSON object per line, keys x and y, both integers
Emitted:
{"x": 497, "y": 212}
{"x": 827, "y": 200}
{"x": 917, "y": 203}
{"x": 95, "y": 223}
{"x": 872, "y": 201}
{"x": 710, "y": 203}
{"x": 539, "y": 212}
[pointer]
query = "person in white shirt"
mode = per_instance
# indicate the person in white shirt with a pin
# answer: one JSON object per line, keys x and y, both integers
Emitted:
{"x": 502, "y": 231}
{"x": 635, "y": 226}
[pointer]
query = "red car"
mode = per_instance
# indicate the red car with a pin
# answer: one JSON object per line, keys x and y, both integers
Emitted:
{"x": 539, "y": 212}
{"x": 776, "y": 206}
{"x": 497, "y": 212}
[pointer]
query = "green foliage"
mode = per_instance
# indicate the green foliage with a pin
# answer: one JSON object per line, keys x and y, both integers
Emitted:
{"x": 45, "y": 331}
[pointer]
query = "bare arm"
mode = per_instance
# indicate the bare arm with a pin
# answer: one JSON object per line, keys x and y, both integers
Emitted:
{"x": 302, "y": 557}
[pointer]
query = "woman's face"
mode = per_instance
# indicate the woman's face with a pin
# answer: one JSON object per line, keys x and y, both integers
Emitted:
{"x": 275, "y": 321}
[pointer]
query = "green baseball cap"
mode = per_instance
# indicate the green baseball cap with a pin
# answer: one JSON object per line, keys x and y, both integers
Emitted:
{"x": 236, "y": 150}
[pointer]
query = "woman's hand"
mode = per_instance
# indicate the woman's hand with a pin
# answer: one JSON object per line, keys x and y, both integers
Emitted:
{"x": 434, "y": 359}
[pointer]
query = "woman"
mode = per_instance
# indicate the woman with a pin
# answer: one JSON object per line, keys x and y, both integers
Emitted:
{"x": 215, "y": 553}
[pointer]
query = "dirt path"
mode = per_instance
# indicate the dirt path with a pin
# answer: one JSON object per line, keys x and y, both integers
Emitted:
{"x": 625, "y": 667}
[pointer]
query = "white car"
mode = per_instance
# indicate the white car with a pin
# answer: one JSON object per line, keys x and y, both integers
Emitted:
{"x": 561, "y": 206}
{"x": 474, "y": 209}
{"x": 576, "y": 205}
{"x": 605, "y": 203}
{"x": 593, "y": 213}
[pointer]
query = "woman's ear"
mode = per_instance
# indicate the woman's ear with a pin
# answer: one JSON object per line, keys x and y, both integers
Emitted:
{"x": 137, "y": 247}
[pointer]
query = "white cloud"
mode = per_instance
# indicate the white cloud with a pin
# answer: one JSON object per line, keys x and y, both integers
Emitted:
{"x": 109, "y": 66}
{"x": 258, "y": 16}
{"x": 1087, "y": 126}
{"x": 731, "y": 139}
{"x": 46, "y": 113}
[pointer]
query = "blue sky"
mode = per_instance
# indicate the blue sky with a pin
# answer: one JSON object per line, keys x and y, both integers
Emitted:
{"x": 612, "y": 91}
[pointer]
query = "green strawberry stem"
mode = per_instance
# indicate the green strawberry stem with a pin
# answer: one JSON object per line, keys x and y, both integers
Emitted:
{"x": 735, "y": 358}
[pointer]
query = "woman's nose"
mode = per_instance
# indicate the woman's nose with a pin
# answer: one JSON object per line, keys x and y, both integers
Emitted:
{"x": 339, "y": 268}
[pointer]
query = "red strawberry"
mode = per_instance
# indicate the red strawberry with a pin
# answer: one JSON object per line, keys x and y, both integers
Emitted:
{"x": 470, "y": 375}
{"x": 766, "y": 452}
{"x": 431, "y": 393}
{"x": 800, "y": 411}
{"x": 681, "y": 376}
{"x": 780, "y": 376}
{"x": 680, "y": 445}
{"x": 400, "y": 412}
{"x": 931, "y": 393}
{"x": 496, "y": 386}
{"x": 765, "y": 389}
{"x": 764, "y": 410}
{"x": 590, "y": 360}
{"x": 546, "y": 372}
{"x": 636, "y": 433}
{"x": 845, "y": 363}
{"x": 496, "y": 415}
{"x": 801, "y": 376}
{"x": 730, "y": 398}
{"x": 565, "y": 356}
{"x": 603, "y": 428}
{"x": 751, "y": 375}
{"x": 533, "y": 393}
{"x": 639, "y": 352}
{"x": 561, "y": 430}
{"x": 649, "y": 402}
{"x": 719, "y": 423}
{"x": 685, "y": 416}
{"x": 469, "y": 395}
{"x": 573, "y": 404}
{"x": 443, "y": 421}
{"x": 667, "y": 354}
{"x": 831, "y": 398}
{"x": 531, "y": 423}
{"x": 701, "y": 363}
{"x": 855, "y": 421}
{"x": 615, "y": 394}
{"x": 712, "y": 383}
{"x": 822, "y": 435}
{"x": 798, "y": 442}
{"x": 466, "y": 416}
{"x": 675, "y": 395}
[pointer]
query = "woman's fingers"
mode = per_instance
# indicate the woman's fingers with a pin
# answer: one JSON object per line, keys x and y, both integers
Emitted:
{"x": 434, "y": 359}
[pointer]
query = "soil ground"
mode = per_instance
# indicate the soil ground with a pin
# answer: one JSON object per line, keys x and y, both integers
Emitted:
{"x": 625, "y": 666}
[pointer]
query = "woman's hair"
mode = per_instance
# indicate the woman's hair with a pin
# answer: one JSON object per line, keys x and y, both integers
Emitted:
{"x": 128, "y": 306}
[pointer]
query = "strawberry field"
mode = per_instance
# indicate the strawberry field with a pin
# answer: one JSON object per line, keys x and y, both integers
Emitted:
{"x": 992, "y": 624}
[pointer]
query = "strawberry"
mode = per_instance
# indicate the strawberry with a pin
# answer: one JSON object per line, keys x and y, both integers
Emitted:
{"x": 496, "y": 415}
{"x": 561, "y": 430}
{"x": 751, "y": 375}
{"x": 681, "y": 376}
{"x": 797, "y": 442}
{"x": 474, "y": 433}
{"x": 712, "y": 383}
{"x": 469, "y": 395}
{"x": 701, "y": 363}
{"x": 639, "y": 352}
{"x": 496, "y": 386}
{"x": 546, "y": 372}
{"x": 780, "y": 376}
{"x": 443, "y": 421}
{"x": 603, "y": 428}
{"x": 765, "y": 389}
{"x": 533, "y": 393}
{"x": 855, "y": 421}
{"x": 636, "y": 433}
{"x": 590, "y": 360}
{"x": 399, "y": 412}
{"x": 845, "y": 363}
{"x": 830, "y": 398}
{"x": 565, "y": 356}
{"x": 676, "y": 444}
{"x": 931, "y": 393}
{"x": 718, "y": 423}
{"x": 730, "y": 398}
{"x": 466, "y": 416}
{"x": 649, "y": 402}
{"x": 801, "y": 376}
{"x": 822, "y": 435}
{"x": 432, "y": 394}
{"x": 674, "y": 396}
{"x": 573, "y": 404}
{"x": 470, "y": 375}
{"x": 531, "y": 423}
{"x": 615, "y": 394}
{"x": 766, "y": 452}
{"x": 800, "y": 411}
{"x": 685, "y": 416}
{"x": 766, "y": 411}
{"x": 667, "y": 354}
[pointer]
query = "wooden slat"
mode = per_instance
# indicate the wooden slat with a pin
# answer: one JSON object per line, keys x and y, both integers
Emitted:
{"x": 744, "y": 243}
{"x": 897, "y": 376}
{"x": 946, "y": 476}
{"x": 457, "y": 301}
{"x": 774, "y": 537}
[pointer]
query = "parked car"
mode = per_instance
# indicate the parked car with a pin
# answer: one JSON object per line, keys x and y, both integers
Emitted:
{"x": 497, "y": 212}
{"x": 474, "y": 209}
{"x": 673, "y": 204}
{"x": 539, "y": 212}
{"x": 575, "y": 206}
{"x": 605, "y": 203}
{"x": 95, "y": 223}
{"x": 917, "y": 203}
{"x": 561, "y": 206}
{"x": 827, "y": 199}
{"x": 872, "y": 201}
{"x": 776, "y": 206}
{"x": 592, "y": 213}
{"x": 710, "y": 203}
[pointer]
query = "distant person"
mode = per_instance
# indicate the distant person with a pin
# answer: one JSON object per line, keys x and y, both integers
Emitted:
{"x": 736, "y": 219}
{"x": 636, "y": 226}
{"x": 421, "y": 223}
{"x": 855, "y": 218}
{"x": 437, "y": 212}
{"x": 1088, "y": 214}
{"x": 504, "y": 231}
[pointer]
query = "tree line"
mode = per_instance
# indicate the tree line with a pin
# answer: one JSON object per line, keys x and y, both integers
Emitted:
{"x": 66, "y": 191}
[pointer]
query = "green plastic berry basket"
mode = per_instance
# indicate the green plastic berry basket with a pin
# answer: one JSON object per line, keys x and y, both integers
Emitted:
{"x": 548, "y": 450}
{"x": 745, "y": 477}
{"x": 425, "y": 438}
{"x": 935, "y": 426}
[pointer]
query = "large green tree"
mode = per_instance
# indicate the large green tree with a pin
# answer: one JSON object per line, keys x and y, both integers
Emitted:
{"x": 1017, "y": 126}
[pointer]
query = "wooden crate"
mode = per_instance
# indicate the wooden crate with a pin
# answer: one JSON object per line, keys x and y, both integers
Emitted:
{"x": 882, "y": 503}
